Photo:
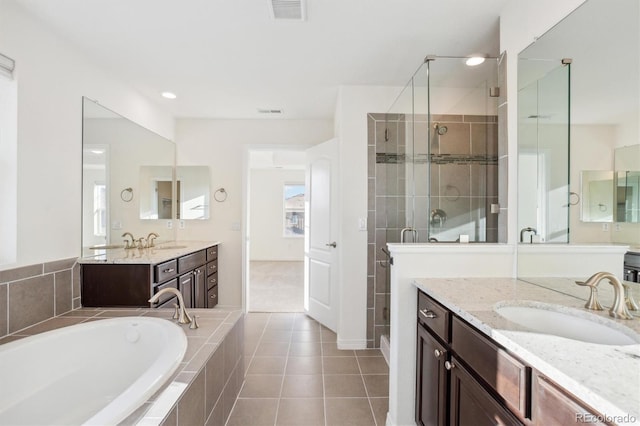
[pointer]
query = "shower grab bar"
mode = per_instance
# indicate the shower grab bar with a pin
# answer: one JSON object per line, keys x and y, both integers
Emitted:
{"x": 413, "y": 231}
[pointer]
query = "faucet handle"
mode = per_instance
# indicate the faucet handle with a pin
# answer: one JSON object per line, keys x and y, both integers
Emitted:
{"x": 592, "y": 302}
{"x": 176, "y": 313}
{"x": 628, "y": 298}
{"x": 194, "y": 323}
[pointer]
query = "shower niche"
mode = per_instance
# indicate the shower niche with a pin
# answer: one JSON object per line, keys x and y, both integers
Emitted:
{"x": 437, "y": 167}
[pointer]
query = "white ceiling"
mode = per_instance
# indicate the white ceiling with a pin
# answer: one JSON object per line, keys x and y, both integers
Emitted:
{"x": 227, "y": 58}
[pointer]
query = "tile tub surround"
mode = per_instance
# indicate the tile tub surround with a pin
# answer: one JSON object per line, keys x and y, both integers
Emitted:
{"x": 34, "y": 293}
{"x": 205, "y": 386}
{"x": 604, "y": 377}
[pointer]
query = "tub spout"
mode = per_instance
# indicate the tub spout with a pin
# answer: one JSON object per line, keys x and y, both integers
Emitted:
{"x": 183, "y": 315}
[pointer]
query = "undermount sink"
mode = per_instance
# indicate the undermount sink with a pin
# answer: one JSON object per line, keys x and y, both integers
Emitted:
{"x": 168, "y": 247}
{"x": 106, "y": 247}
{"x": 568, "y": 323}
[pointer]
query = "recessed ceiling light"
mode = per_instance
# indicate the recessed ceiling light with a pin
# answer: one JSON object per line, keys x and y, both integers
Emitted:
{"x": 169, "y": 95}
{"x": 474, "y": 60}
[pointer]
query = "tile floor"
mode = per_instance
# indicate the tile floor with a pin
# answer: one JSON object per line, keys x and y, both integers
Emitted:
{"x": 297, "y": 376}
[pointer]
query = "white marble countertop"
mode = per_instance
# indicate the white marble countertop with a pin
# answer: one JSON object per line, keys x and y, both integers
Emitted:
{"x": 605, "y": 377}
{"x": 160, "y": 253}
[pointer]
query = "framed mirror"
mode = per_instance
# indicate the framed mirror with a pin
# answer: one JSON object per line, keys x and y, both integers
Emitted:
{"x": 119, "y": 158}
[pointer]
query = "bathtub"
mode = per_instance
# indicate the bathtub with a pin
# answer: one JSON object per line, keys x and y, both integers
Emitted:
{"x": 94, "y": 373}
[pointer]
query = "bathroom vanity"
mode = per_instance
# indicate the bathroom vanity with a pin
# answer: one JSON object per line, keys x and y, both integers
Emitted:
{"x": 474, "y": 366}
{"x": 128, "y": 278}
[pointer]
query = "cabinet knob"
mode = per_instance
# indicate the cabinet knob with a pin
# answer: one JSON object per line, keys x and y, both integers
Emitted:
{"x": 449, "y": 365}
{"x": 428, "y": 314}
{"x": 438, "y": 353}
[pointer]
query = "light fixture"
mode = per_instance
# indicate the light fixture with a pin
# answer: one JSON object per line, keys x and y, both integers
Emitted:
{"x": 472, "y": 61}
{"x": 169, "y": 95}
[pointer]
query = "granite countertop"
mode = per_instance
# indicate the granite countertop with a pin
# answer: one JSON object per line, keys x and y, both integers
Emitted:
{"x": 161, "y": 252}
{"x": 605, "y": 377}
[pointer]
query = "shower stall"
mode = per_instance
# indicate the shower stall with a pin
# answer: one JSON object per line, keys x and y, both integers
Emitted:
{"x": 435, "y": 166}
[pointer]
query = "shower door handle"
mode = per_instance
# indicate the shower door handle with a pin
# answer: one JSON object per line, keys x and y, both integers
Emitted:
{"x": 333, "y": 244}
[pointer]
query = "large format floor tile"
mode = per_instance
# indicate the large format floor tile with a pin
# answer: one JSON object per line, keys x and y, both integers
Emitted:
{"x": 297, "y": 376}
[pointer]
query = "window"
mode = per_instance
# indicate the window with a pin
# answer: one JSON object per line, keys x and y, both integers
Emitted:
{"x": 8, "y": 163}
{"x": 294, "y": 210}
{"x": 99, "y": 209}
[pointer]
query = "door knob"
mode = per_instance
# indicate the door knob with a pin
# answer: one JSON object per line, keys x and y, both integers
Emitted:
{"x": 333, "y": 244}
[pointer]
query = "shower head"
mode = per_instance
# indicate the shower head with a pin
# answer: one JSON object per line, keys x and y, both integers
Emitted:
{"x": 440, "y": 129}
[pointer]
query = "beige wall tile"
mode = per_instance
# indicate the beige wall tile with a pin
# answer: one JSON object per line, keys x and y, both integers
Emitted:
{"x": 191, "y": 405}
{"x": 30, "y": 301}
{"x": 64, "y": 296}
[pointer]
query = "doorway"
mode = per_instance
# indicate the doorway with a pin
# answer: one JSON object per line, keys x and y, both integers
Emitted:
{"x": 275, "y": 217}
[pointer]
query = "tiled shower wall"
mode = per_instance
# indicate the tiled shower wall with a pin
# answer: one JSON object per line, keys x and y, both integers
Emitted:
{"x": 468, "y": 175}
{"x": 35, "y": 293}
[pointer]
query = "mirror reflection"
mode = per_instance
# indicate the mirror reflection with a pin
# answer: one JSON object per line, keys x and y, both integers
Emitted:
{"x": 193, "y": 193}
{"x": 597, "y": 187}
{"x": 114, "y": 149}
{"x": 563, "y": 134}
{"x": 156, "y": 192}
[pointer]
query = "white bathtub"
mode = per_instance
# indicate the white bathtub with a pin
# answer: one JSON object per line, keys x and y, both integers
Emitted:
{"x": 95, "y": 373}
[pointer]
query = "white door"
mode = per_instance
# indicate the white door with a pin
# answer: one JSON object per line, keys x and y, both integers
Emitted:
{"x": 321, "y": 229}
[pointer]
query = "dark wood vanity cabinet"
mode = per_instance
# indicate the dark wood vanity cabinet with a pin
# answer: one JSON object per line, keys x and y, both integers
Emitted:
{"x": 131, "y": 285}
{"x": 463, "y": 377}
{"x": 448, "y": 392}
{"x": 552, "y": 405}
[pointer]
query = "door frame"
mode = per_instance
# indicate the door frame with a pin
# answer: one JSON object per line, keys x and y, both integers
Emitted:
{"x": 246, "y": 208}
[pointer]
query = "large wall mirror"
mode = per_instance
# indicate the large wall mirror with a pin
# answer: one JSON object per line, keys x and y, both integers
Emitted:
{"x": 578, "y": 116}
{"x": 121, "y": 163}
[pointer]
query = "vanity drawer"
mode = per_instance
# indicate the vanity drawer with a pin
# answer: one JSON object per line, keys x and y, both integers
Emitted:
{"x": 186, "y": 263}
{"x": 166, "y": 270}
{"x": 212, "y": 280}
{"x": 212, "y": 297}
{"x": 434, "y": 316}
{"x": 212, "y": 267}
{"x": 506, "y": 375}
{"x": 165, "y": 297}
{"x": 212, "y": 253}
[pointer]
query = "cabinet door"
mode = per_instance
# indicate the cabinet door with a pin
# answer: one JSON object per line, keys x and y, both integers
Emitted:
{"x": 200, "y": 288}
{"x": 552, "y": 406}
{"x": 471, "y": 404}
{"x": 431, "y": 385}
{"x": 186, "y": 288}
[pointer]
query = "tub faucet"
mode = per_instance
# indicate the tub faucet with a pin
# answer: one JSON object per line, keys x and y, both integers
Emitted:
{"x": 527, "y": 229}
{"x": 183, "y": 315}
{"x": 619, "y": 308}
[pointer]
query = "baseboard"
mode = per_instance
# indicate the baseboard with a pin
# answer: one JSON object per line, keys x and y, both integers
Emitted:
{"x": 352, "y": 344}
{"x": 385, "y": 348}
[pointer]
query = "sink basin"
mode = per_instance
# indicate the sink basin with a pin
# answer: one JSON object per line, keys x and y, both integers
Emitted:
{"x": 570, "y": 323}
{"x": 168, "y": 247}
{"x": 106, "y": 247}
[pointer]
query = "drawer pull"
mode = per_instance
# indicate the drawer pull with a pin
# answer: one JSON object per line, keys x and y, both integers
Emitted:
{"x": 438, "y": 353}
{"x": 449, "y": 365}
{"x": 168, "y": 270}
{"x": 213, "y": 296}
{"x": 213, "y": 281}
{"x": 428, "y": 314}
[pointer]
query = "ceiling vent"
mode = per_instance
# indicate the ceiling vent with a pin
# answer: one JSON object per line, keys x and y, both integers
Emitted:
{"x": 287, "y": 9}
{"x": 267, "y": 111}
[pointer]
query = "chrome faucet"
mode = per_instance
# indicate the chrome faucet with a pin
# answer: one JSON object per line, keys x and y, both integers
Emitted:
{"x": 127, "y": 244}
{"x": 183, "y": 315}
{"x": 414, "y": 234}
{"x": 527, "y": 229}
{"x": 619, "y": 308}
{"x": 152, "y": 236}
